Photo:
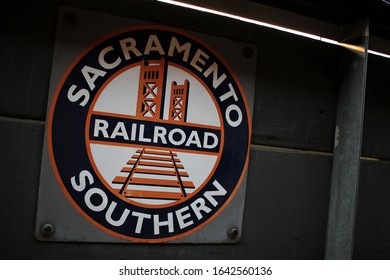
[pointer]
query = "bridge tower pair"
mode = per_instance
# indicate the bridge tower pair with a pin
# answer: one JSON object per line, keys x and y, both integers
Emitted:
{"x": 151, "y": 93}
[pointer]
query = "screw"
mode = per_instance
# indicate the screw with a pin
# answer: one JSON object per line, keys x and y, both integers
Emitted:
{"x": 233, "y": 232}
{"x": 47, "y": 229}
{"x": 70, "y": 20}
{"x": 247, "y": 52}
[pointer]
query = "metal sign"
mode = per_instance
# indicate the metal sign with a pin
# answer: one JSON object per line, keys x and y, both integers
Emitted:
{"x": 148, "y": 134}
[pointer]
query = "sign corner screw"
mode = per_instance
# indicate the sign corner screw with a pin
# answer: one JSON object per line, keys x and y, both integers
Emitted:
{"x": 233, "y": 232}
{"x": 70, "y": 19}
{"x": 247, "y": 52}
{"x": 47, "y": 229}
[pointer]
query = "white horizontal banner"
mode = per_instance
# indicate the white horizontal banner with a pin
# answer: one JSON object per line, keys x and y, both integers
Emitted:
{"x": 202, "y": 269}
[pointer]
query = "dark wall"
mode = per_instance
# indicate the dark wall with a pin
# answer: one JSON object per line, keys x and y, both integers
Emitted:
{"x": 293, "y": 129}
{"x": 373, "y": 212}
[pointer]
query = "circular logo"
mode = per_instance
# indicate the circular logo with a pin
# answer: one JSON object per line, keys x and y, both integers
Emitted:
{"x": 149, "y": 134}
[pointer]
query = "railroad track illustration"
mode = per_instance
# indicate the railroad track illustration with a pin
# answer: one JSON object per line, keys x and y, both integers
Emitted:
{"x": 154, "y": 174}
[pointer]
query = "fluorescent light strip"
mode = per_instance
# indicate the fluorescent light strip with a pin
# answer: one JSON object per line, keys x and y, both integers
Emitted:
{"x": 268, "y": 25}
{"x": 379, "y": 54}
{"x": 244, "y": 19}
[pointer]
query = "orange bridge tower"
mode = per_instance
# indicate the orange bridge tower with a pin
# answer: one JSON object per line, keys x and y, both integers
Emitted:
{"x": 178, "y": 101}
{"x": 151, "y": 89}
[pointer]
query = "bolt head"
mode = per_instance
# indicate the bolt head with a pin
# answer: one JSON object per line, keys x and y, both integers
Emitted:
{"x": 70, "y": 20}
{"x": 233, "y": 232}
{"x": 47, "y": 229}
{"x": 247, "y": 52}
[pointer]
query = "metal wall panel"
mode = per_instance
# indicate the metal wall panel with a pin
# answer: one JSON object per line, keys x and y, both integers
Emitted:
{"x": 373, "y": 217}
{"x": 26, "y": 53}
{"x": 295, "y": 104}
{"x": 21, "y": 150}
{"x": 287, "y": 204}
{"x": 296, "y": 94}
{"x": 373, "y": 212}
{"x": 376, "y": 137}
